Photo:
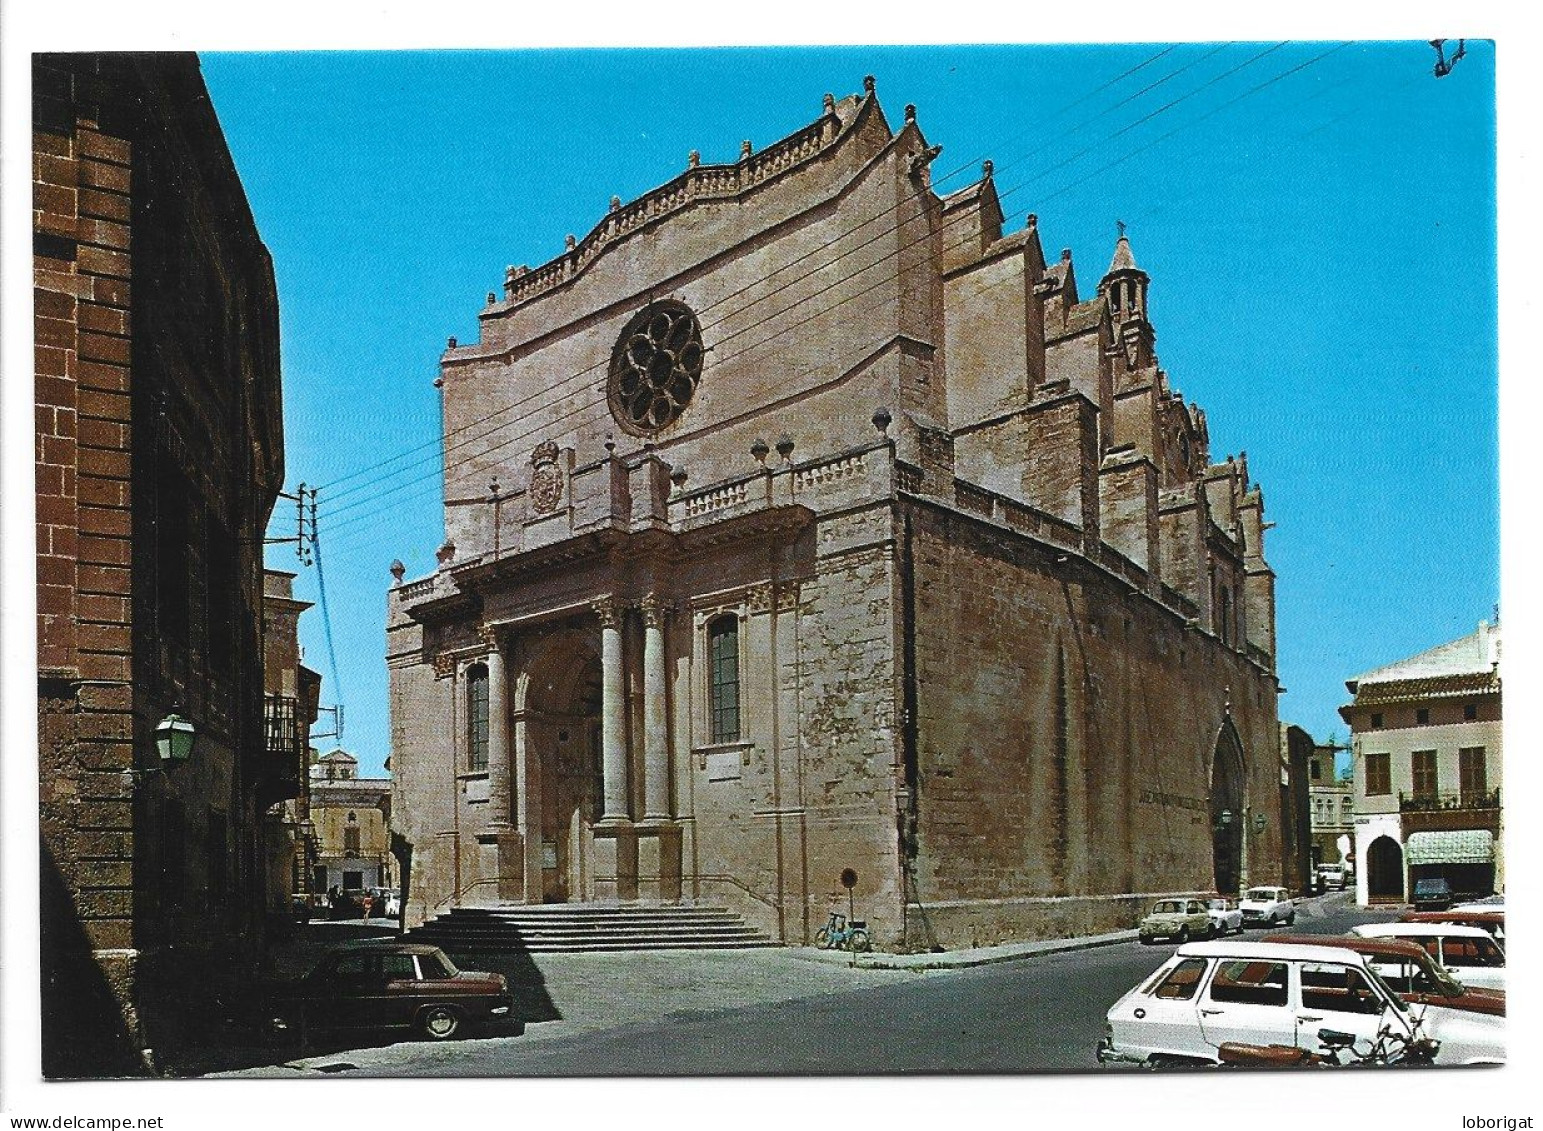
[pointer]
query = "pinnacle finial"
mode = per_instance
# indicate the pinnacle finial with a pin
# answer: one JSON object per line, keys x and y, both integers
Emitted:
{"x": 830, "y": 103}
{"x": 987, "y": 167}
{"x": 1120, "y": 227}
{"x": 868, "y": 83}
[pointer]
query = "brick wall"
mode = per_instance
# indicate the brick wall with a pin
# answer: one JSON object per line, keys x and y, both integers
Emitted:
{"x": 128, "y": 160}
{"x": 81, "y": 181}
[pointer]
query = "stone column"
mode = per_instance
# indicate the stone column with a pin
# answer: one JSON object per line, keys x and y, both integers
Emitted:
{"x": 510, "y": 851}
{"x": 613, "y": 720}
{"x": 656, "y": 731}
{"x": 527, "y": 805}
{"x": 498, "y": 729}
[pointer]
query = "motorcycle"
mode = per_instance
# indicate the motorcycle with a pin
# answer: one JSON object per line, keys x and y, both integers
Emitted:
{"x": 1338, "y": 1050}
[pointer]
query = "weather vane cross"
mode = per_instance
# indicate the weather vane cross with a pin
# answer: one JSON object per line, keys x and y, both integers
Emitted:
{"x": 1120, "y": 225}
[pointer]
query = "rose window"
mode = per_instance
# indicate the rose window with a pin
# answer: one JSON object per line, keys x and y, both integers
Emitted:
{"x": 656, "y": 367}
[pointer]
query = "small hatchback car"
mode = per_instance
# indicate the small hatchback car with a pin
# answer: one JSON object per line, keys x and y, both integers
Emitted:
{"x": 390, "y": 986}
{"x": 1433, "y": 893}
{"x": 1268, "y": 907}
{"x": 1181, "y": 919}
{"x": 1214, "y": 993}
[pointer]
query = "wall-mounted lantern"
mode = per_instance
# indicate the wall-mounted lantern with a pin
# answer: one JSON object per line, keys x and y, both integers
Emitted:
{"x": 175, "y": 737}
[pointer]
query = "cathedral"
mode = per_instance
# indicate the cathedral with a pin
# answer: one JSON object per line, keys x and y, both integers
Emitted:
{"x": 801, "y": 521}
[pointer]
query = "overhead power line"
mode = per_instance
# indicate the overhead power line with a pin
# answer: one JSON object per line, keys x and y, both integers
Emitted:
{"x": 773, "y": 274}
{"x": 508, "y": 439}
{"x": 488, "y": 426}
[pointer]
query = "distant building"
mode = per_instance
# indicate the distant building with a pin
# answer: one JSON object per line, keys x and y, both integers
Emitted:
{"x": 917, "y": 566}
{"x": 1426, "y": 739}
{"x": 352, "y": 816}
{"x": 1331, "y": 801}
{"x": 1296, "y": 824}
{"x": 292, "y": 694}
{"x": 160, "y": 453}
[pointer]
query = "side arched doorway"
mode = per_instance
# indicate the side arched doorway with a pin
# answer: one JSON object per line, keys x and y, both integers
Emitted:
{"x": 1227, "y": 811}
{"x": 558, "y": 703}
{"x": 1384, "y": 871}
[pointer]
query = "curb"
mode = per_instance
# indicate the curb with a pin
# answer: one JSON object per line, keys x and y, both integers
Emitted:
{"x": 962, "y": 959}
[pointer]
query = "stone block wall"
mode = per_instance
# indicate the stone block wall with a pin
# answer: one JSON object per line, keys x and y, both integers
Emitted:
{"x": 1066, "y": 730}
{"x": 785, "y": 341}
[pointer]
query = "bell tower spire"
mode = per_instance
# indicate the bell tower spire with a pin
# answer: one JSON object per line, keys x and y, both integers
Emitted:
{"x": 1124, "y": 287}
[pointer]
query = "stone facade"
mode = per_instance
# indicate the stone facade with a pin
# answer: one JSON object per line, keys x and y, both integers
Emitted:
{"x": 800, "y": 519}
{"x": 352, "y": 816}
{"x": 1425, "y": 736}
{"x": 291, "y": 704}
{"x": 159, "y": 456}
{"x": 1332, "y": 801}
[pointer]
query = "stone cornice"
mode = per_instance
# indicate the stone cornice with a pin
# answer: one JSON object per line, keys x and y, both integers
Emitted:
{"x": 697, "y": 183}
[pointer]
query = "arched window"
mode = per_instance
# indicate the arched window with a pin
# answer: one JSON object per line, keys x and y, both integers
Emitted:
{"x": 477, "y": 717}
{"x": 723, "y": 678}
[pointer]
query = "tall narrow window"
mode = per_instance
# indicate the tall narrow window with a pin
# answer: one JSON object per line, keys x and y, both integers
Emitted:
{"x": 173, "y": 533}
{"x": 477, "y": 716}
{"x": 723, "y": 688}
{"x": 224, "y": 596}
{"x": 173, "y": 851}
{"x": 1423, "y": 763}
{"x": 1472, "y": 775}
{"x": 1378, "y": 777}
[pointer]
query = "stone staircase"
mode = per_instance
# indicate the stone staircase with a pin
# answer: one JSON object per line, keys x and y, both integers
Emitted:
{"x": 574, "y": 927}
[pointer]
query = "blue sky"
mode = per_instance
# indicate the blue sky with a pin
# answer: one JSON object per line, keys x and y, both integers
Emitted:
{"x": 1317, "y": 218}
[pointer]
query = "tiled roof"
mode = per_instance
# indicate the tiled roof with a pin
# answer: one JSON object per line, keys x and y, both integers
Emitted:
{"x": 1427, "y": 687}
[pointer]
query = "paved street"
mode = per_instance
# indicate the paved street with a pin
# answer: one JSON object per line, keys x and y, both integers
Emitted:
{"x": 781, "y": 1011}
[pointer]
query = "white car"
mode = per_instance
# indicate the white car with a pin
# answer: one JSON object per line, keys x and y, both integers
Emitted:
{"x": 1332, "y": 877}
{"x": 1277, "y": 994}
{"x": 1493, "y": 903}
{"x": 1226, "y": 916}
{"x": 1469, "y": 954}
{"x": 1268, "y": 907}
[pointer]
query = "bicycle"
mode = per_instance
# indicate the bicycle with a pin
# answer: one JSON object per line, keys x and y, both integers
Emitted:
{"x": 837, "y": 935}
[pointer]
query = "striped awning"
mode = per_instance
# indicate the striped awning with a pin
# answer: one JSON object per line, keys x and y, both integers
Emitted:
{"x": 1459, "y": 846}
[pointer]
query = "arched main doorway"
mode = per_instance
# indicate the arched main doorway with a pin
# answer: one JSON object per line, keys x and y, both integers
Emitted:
{"x": 560, "y": 704}
{"x": 1227, "y": 779}
{"x": 1384, "y": 871}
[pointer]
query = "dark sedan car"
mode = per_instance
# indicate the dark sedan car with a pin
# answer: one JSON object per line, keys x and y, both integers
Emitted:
{"x": 378, "y": 987}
